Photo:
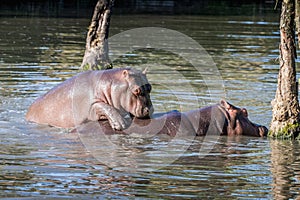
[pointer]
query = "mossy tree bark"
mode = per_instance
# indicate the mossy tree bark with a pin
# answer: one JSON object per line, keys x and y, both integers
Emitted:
{"x": 96, "y": 52}
{"x": 286, "y": 118}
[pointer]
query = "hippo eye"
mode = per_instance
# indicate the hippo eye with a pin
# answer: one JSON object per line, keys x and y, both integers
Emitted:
{"x": 244, "y": 112}
{"x": 142, "y": 93}
{"x": 142, "y": 90}
{"x": 147, "y": 88}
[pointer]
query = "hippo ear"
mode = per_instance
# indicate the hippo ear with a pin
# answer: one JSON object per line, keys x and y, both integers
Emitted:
{"x": 125, "y": 73}
{"x": 225, "y": 104}
{"x": 145, "y": 71}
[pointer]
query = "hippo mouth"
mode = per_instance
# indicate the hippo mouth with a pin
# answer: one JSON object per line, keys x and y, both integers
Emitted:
{"x": 140, "y": 117}
{"x": 145, "y": 113}
{"x": 263, "y": 131}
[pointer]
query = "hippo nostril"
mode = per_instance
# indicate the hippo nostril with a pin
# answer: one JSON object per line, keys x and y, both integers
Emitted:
{"x": 145, "y": 114}
{"x": 146, "y": 110}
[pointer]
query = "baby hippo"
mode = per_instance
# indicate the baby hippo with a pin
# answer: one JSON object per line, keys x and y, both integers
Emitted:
{"x": 93, "y": 95}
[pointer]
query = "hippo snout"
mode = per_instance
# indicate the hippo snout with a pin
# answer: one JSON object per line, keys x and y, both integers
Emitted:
{"x": 146, "y": 113}
{"x": 263, "y": 131}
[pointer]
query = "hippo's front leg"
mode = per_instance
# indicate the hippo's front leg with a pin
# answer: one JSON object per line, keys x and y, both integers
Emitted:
{"x": 100, "y": 110}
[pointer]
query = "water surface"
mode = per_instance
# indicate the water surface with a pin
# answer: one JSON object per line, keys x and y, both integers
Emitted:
{"x": 40, "y": 161}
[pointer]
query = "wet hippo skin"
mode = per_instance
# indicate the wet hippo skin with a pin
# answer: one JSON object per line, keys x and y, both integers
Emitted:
{"x": 93, "y": 95}
{"x": 224, "y": 119}
{"x": 219, "y": 119}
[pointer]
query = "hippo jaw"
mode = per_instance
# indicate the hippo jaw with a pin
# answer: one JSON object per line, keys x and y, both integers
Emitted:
{"x": 251, "y": 129}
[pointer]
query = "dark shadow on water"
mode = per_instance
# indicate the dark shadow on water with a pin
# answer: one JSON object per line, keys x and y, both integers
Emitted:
{"x": 84, "y": 8}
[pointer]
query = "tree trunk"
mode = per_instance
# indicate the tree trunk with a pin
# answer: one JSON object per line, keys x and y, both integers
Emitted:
{"x": 96, "y": 52}
{"x": 285, "y": 122}
{"x": 297, "y": 20}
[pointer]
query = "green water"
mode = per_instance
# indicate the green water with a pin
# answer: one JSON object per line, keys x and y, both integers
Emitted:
{"x": 44, "y": 162}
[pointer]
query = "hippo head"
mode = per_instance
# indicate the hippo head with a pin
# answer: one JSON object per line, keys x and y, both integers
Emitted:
{"x": 238, "y": 123}
{"x": 137, "y": 99}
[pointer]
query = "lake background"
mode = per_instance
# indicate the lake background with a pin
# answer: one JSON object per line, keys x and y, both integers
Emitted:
{"x": 38, "y": 161}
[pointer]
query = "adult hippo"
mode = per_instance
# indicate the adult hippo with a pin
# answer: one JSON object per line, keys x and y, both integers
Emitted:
{"x": 219, "y": 119}
{"x": 224, "y": 119}
{"x": 93, "y": 95}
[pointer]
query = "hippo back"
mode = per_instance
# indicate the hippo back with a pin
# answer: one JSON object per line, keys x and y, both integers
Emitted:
{"x": 209, "y": 120}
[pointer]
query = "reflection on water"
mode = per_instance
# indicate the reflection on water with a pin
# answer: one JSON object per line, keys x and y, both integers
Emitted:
{"x": 40, "y": 161}
{"x": 285, "y": 169}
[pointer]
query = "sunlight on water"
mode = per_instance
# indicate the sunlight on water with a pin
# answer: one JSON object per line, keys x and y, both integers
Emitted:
{"x": 46, "y": 162}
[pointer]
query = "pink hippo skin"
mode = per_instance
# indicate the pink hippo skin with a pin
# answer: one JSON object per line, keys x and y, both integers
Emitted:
{"x": 93, "y": 95}
{"x": 219, "y": 119}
